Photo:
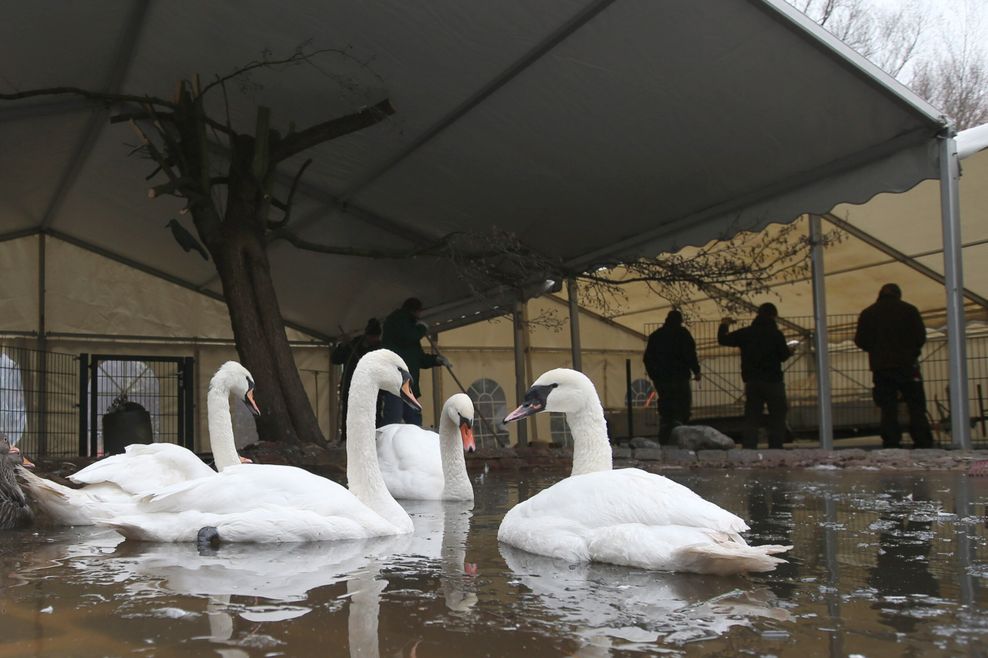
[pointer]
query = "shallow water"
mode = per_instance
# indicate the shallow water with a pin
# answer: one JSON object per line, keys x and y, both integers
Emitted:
{"x": 883, "y": 565}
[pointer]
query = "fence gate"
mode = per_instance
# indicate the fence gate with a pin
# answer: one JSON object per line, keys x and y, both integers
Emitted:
{"x": 164, "y": 386}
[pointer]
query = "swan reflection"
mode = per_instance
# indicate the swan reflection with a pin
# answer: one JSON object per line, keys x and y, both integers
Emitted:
{"x": 611, "y": 605}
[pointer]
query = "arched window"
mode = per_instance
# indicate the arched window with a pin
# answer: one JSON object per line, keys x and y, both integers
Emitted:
{"x": 559, "y": 429}
{"x": 491, "y": 405}
{"x": 133, "y": 379}
{"x": 13, "y": 409}
{"x": 642, "y": 393}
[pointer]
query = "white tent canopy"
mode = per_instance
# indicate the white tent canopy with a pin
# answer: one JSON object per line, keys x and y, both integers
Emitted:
{"x": 595, "y": 131}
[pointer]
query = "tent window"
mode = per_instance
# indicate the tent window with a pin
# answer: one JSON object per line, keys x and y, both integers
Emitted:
{"x": 491, "y": 404}
{"x": 13, "y": 409}
{"x": 134, "y": 379}
{"x": 641, "y": 391}
{"x": 559, "y": 429}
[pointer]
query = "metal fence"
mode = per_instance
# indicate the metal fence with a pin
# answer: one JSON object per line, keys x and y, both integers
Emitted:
{"x": 718, "y": 400}
{"x": 39, "y": 400}
{"x": 52, "y": 404}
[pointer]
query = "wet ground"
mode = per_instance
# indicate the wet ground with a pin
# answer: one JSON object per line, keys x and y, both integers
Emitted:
{"x": 884, "y": 564}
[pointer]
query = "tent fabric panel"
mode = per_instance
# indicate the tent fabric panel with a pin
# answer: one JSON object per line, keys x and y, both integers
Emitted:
{"x": 19, "y": 292}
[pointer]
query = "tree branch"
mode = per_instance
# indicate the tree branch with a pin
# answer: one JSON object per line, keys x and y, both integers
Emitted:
{"x": 329, "y": 130}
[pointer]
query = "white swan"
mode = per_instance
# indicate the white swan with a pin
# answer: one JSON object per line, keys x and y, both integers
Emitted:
{"x": 142, "y": 469}
{"x": 419, "y": 464}
{"x": 627, "y": 517}
{"x": 271, "y": 503}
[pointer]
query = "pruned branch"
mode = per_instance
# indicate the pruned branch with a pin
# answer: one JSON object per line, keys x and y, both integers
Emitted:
{"x": 329, "y": 130}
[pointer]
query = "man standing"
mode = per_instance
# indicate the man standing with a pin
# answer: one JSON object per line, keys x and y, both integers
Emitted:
{"x": 891, "y": 331}
{"x": 403, "y": 333}
{"x": 347, "y": 353}
{"x": 670, "y": 357}
{"x": 763, "y": 349}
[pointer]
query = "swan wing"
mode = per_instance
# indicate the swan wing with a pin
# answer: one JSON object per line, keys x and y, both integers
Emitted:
{"x": 411, "y": 462}
{"x": 144, "y": 468}
{"x": 609, "y": 498}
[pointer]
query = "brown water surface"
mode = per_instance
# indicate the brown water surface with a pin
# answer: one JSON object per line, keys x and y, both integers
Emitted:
{"x": 883, "y": 565}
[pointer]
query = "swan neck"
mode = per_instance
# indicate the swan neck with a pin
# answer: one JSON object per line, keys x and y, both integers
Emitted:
{"x": 220, "y": 424}
{"x": 363, "y": 471}
{"x": 591, "y": 447}
{"x": 456, "y": 482}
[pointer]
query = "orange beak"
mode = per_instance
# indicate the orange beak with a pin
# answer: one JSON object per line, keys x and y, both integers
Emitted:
{"x": 408, "y": 396}
{"x": 466, "y": 433}
{"x": 251, "y": 404}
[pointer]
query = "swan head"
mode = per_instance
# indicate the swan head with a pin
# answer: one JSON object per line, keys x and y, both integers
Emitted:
{"x": 561, "y": 389}
{"x": 389, "y": 372}
{"x": 459, "y": 409}
{"x": 236, "y": 380}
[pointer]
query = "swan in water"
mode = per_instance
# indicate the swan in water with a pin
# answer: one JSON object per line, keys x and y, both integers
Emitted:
{"x": 269, "y": 503}
{"x": 421, "y": 465}
{"x": 119, "y": 480}
{"x": 626, "y": 517}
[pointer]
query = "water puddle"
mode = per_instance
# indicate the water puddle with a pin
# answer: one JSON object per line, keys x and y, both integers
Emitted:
{"x": 883, "y": 565}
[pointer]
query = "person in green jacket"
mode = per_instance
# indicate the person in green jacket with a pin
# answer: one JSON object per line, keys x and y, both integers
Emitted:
{"x": 403, "y": 333}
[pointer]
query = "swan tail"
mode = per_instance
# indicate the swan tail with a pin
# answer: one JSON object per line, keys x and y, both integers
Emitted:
{"x": 729, "y": 558}
{"x": 63, "y": 505}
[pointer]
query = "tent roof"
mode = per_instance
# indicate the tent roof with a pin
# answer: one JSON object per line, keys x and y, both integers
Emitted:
{"x": 595, "y": 131}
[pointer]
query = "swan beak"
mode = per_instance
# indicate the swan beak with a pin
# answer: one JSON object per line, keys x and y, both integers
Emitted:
{"x": 407, "y": 396}
{"x": 534, "y": 402}
{"x": 249, "y": 401}
{"x": 525, "y": 410}
{"x": 466, "y": 433}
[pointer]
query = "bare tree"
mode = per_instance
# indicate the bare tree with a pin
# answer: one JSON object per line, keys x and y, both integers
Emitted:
{"x": 951, "y": 72}
{"x": 227, "y": 179}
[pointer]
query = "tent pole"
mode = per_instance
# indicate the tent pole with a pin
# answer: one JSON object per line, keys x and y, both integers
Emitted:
{"x": 574, "y": 323}
{"x": 953, "y": 273}
{"x": 520, "y": 387}
{"x": 825, "y": 414}
{"x": 437, "y": 385}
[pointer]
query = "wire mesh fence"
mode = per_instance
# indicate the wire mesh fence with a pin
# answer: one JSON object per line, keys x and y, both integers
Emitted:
{"x": 718, "y": 399}
{"x": 39, "y": 400}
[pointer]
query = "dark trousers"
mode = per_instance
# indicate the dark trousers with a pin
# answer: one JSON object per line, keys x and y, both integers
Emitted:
{"x": 675, "y": 402}
{"x": 758, "y": 395}
{"x": 891, "y": 383}
{"x": 391, "y": 409}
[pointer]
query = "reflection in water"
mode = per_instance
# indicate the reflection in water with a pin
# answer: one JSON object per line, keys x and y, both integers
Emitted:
{"x": 607, "y": 601}
{"x": 901, "y": 574}
{"x": 770, "y": 507}
{"x": 878, "y": 568}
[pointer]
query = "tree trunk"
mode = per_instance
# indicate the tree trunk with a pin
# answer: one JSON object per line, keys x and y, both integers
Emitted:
{"x": 238, "y": 249}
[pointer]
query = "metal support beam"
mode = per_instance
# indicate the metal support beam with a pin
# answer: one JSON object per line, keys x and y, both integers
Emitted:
{"x": 899, "y": 256}
{"x": 437, "y": 385}
{"x": 42, "y": 364}
{"x": 574, "y": 323}
{"x": 520, "y": 380}
{"x": 825, "y": 418}
{"x": 954, "y": 282}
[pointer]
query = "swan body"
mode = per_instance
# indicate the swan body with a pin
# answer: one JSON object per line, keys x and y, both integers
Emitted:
{"x": 418, "y": 464}
{"x": 268, "y": 503}
{"x": 114, "y": 484}
{"x": 627, "y": 516}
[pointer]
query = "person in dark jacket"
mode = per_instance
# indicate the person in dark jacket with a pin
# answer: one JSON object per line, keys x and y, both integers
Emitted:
{"x": 670, "y": 358}
{"x": 763, "y": 349}
{"x": 891, "y": 331}
{"x": 347, "y": 353}
{"x": 403, "y": 333}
